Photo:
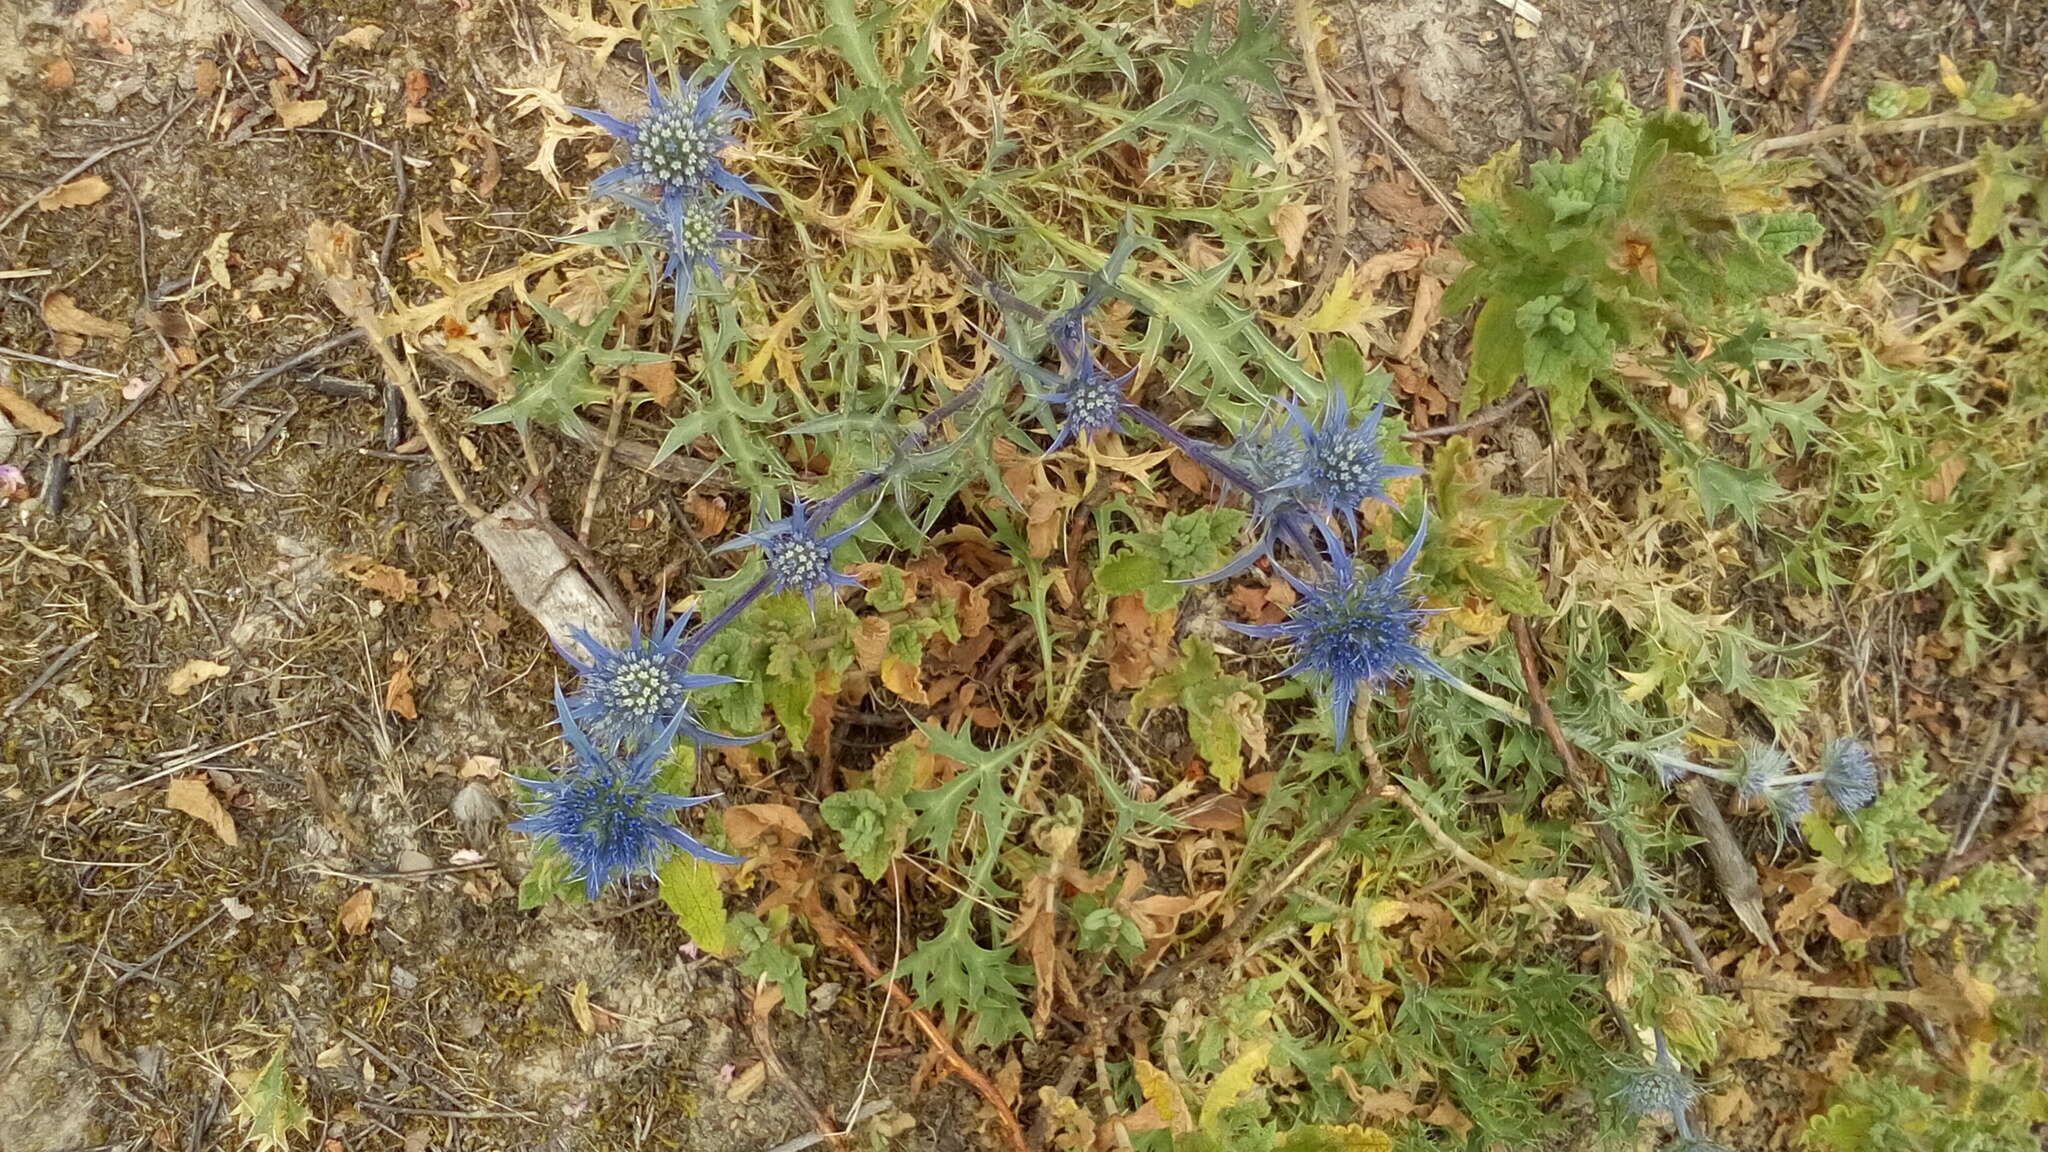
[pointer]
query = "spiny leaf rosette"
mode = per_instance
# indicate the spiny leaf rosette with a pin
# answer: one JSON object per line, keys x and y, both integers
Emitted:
{"x": 606, "y": 812}
{"x": 1356, "y": 630}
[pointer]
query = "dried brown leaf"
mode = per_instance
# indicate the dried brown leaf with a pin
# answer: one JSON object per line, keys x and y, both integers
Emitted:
{"x": 751, "y": 824}
{"x": 191, "y": 674}
{"x": 194, "y": 798}
{"x": 356, "y": 911}
{"x": 63, "y": 314}
{"x": 292, "y": 112}
{"x": 87, "y": 189}
{"x": 25, "y": 412}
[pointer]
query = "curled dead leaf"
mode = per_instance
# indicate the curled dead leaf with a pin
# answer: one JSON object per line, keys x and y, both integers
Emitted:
{"x": 63, "y": 314}
{"x": 356, "y": 912}
{"x": 194, "y": 798}
{"x": 191, "y": 674}
{"x": 752, "y": 824}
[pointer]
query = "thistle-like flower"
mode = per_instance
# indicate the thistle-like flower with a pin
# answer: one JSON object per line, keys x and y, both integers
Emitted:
{"x": 1343, "y": 465}
{"x": 1268, "y": 458}
{"x": 1660, "y": 1087}
{"x": 796, "y": 555}
{"x": 675, "y": 151}
{"x": 1355, "y": 629}
{"x": 1093, "y": 399}
{"x": 605, "y": 812}
{"x": 627, "y": 695}
{"x": 693, "y": 234}
{"x": 1848, "y": 773}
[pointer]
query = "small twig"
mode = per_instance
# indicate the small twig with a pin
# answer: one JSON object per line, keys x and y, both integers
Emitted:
{"x": 97, "y": 156}
{"x": 1819, "y": 97}
{"x": 316, "y": 351}
{"x": 1674, "y": 65}
{"x": 1501, "y": 877}
{"x": 861, "y": 1115}
{"x": 832, "y": 932}
{"x": 397, "y": 217}
{"x": 138, "y": 968}
{"x": 445, "y": 1113}
{"x": 1507, "y": 40}
{"x": 52, "y": 362}
{"x": 1306, "y": 32}
{"x": 1929, "y": 123}
{"x": 1991, "y": 784}
{"x": 764, "y": 1047}
{"x": 56, "y": 665}
{"x": 1911, "y": 997}
{"x": 1495, "y": 414}
{"x": 399, "y": 376}
{"x": 604, "y": 460}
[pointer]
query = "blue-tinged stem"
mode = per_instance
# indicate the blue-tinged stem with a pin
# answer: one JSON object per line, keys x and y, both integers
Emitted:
{"x": 1196, "y": 450}
{"x": 695, "y": 641}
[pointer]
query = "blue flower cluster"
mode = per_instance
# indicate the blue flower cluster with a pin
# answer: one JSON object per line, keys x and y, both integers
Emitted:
{"x": 1764, "y": 775}
{"x": 1662, "y": 1088}
{"x": 674, "y": 175}
{"x": 1353, "y": 629}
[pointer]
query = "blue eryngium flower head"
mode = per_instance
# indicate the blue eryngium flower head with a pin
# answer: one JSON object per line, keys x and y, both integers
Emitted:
{"x": 693, "y": 234}
{"x": 675, "y": 150}
{"x": 632, "y": 693}
{"x": 1849, "y": 774}
{"x": 1355, "y": 629}
{"x": 1343, "y": 465}
{"x": 1659, "y": 1087}
{"x": 1270, "y": 456}
{"x": 605, "y": 811}
{"x": 1093, "y": 399}
{"x": 796, "y": 555}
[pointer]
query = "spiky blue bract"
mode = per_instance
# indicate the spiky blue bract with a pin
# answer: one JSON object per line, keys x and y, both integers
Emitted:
{"x": 1343, "y": 465}
{"x": 605, "y": 811}
{"x": 1657, "y": 1088}
{"x": 1355, "y": 629}
{"x": 692, "y": 235}
{"x": 1764, "y": 768}
{"x": 1269, "y": 457}
{"x": 1093, "y": 399}
{"x": 1849, "y": 774}
{"x": 1094, "y": 402}
{"x": 630, "y": 694}
{"x": 796, "y": 555}
{"x": 676, "y": 149}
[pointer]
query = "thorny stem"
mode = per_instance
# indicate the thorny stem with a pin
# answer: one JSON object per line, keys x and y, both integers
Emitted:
{"x": 1200, "y": 453}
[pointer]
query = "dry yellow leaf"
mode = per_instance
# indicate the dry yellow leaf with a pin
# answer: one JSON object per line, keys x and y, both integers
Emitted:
{"x": 192, "y": 797}
{"x": 579, "y": 1007}
{"x": 356, "y": 911}
{"x": 293, "y": 113}
{"x": 88, "y": 189}
{"x": 191, "y": 674}
{"x": 63, "y": 314}
{"x": 363, "y": 37}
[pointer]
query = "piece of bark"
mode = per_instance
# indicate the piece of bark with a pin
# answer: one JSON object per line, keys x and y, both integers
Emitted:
{"x": 543, "y": 578}
{"x": 1731, "y": 867}
{"x": 272, "y": 29}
